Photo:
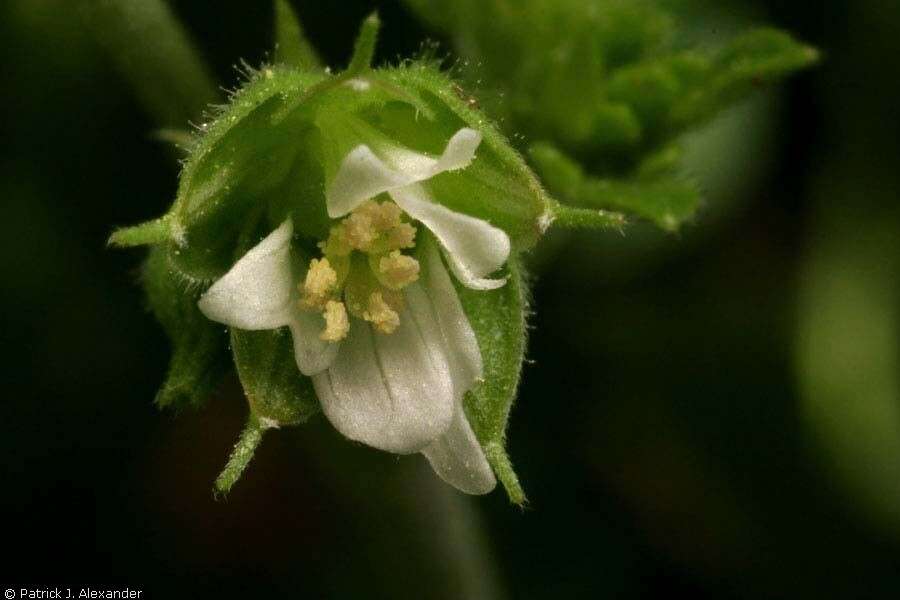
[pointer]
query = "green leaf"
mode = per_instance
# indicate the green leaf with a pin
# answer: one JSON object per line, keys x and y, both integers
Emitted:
{"x": 154, "y": 53}
{"x": 278, "y": 394}
{"x": 199, "y": 359}
{"x": 291, "y": 46}
{"x": 498, "y": 318}
{"x": 750, "y": 61}
{"x": 616, "y": 125}
{"x": 666, "y": 202}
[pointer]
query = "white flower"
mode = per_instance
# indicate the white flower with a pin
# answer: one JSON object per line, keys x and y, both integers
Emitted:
{"x": 392, "y": 374}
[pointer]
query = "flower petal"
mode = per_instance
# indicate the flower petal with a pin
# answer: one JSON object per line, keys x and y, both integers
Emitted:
{"x": 474, "y": 247}
{"x": 363, "y": 175}
{"x": 311, "y": 353}
{"x": 435, "y": 295}
{"x": 460, "y": 151}
{"x": 458, "y": 459}
{"x": 256, "y": 292}
{"x": 392, "y": 391}
{"x": 457, "y": 456}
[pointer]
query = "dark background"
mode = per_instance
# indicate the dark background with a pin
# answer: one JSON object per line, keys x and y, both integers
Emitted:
{"x": 662, "y": 430}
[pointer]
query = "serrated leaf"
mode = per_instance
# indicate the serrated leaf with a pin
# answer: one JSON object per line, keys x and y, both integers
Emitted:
{"x": 666, "y": 202}
{"x": 750, "y": 61}
{"x": 278, "y": 394}
{"x": 615, "y": 124}
{"x": 498, "y": 318}
{"x": 199, "y": 359}
{"x": 291, "y": 46}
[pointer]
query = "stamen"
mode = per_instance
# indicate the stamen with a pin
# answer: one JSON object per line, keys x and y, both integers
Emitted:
{"x": 401, "y": 236}
{"x": 320, "y": 281}
{"x": 359, "y": 230}
{"x": 337, "y": 325}
{"x": 337, "y": 244}
{"x": 397, "y": 271}
{"x": 383, "y": 318}
{"x": 362, "y": 271}
{"x": 384, "y": 216}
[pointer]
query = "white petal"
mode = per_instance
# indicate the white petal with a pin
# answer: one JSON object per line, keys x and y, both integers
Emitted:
{"x": 458, "y": 459}
{"x": 435, "y": 294}
{"x": 460, "y": 151}
{"x": 311, "y": 353}
{"x": 456, "y": 456}
{"x": 363, "y": 175}
{"x": 420, "y": 308}
{"x": 388, "y": 391}
{"x": 474, "y": 247}
{"x": 256, "y": 293}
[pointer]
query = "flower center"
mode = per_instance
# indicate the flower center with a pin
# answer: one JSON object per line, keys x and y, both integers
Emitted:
{"x": 362, "y": 271}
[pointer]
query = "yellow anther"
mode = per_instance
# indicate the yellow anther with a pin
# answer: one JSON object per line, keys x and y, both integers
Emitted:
{"x": 384, "y": 216}
{"x": 362, "y": 272}
{"x": 336, "y": 322}
{"x": 358, "y": 230}
{"x": 402, "y": 235}
{"x": 380, "y": 314}
{"x": 321, "y": 280}
{"x": 397, "y": 271}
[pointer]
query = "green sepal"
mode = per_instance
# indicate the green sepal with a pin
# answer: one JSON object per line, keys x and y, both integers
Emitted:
{"x": 570, "y": 217}
{"x": 240, "y": 457}
{"x": 291, "y": 46}
{"x": 364, "y": 48}
{"x": 498, "y": 318}
{"x": 199, "y": 359}
{"x": 235, "y": 168}
{"x": 277, "y": 393}
{"x": 498, "y": 186}
{"x": 150, "y": 233}
{"x": 668, "y": 203}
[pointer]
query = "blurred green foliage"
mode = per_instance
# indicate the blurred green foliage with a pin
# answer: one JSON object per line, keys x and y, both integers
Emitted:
{"x": 606, "y": 83}
{"x": 847, "y": 346}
